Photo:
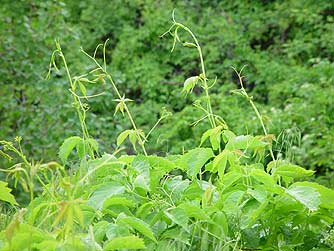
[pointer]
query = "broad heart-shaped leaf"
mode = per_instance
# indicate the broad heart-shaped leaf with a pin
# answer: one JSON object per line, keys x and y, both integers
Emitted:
{"x": 141, "y": 226}
{"x": 5, "y": 194}
{"x": 104, "y": 192}
{"x": 194, "y": 160}
{"x": 326, "y": 194}
{"x": 193, "y": 191}
{"x": 126, "y": 242}
{"x": 284, "y": 168}
{"x": 68, "y": 145}
{"x": 245, "y": 142}
{"x": 306, "y": 195}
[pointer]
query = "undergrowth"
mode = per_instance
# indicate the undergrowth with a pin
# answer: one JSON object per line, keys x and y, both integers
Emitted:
{"x": 232, "y": 192}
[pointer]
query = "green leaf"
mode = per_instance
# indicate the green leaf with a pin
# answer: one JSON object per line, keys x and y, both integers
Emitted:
{"x": 68, "y": 145}
{"x": 142, "y": 168}
{"x": 245, "y": 142}
{"x": 326, "y": 194}
{"x": 194, "y": 160}
{"x": 284, "y": 168}
{"x": 219, "y": 225}
{"x": 258, "y": 192}
{"x": 306, "y": 195}
{"x": 5, "y": 194}
{"x": 189, "y": 84}
{"x": 81, "y": 149}
{"x": 94, "y": 144}
{"x": 128, "y": 242}
{"x": 179, "y": 217}
{"x": 193, "y": 191}
{"x": 141, "y": 226}
{"x": 161, "y": 163}
{"x": 194, "y": 211}
{"x": 133, "y": 137}
{"x": 142, "y": 181}
{"x": 82, "y": 88}
{"x": 232, "y": 200}
{"x": 100, "y": 229}
{"x": 220, "y": 162}
{"x": 117, "y": 200}
{"x": 267, "y": 180}
{"x": 228, "y": 135}
{"x": 122, "y": 137}
{"x": 103, "y": 192}
{"x": 230, "y": 179}
{"x": 215, "y": 136}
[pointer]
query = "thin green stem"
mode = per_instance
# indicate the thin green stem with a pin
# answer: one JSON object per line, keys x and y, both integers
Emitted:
{"x": 204, "y": 78}
{"x": 103, "y": 70}
{"x": 259, "y": 116}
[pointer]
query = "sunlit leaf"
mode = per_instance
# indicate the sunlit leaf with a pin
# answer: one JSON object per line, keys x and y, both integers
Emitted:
{"x": 122, "y": 137}
{"x": 189, "y": 84}
{"x": 306, "y": 195}
{"x": 5, "y": 194}
{"x": 103, "y": 192}
{"x": 126, "y": 242}
{"x": 283, "y": 168}
{"x": 326, "y": 194}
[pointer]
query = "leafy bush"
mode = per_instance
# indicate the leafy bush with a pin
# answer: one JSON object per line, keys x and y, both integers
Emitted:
{"x": 230, "y": 193}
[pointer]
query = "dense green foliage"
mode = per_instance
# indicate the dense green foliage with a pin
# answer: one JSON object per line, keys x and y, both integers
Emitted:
{"x": 218, "y": 174}
{"x": 286, "y": 45}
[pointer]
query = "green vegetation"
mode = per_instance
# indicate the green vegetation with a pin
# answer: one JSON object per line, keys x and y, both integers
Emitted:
{"x": 198, "y": 149}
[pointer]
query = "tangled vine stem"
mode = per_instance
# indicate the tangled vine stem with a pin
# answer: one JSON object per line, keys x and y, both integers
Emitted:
{"x": 120, "y": 97}
{"x": 79, "y": 106}
{"x": 244, "y": 93}
{"x": 176, "y": 25}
